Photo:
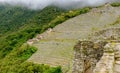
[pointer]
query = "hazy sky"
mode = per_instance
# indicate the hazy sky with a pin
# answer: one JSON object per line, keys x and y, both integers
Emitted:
{"x": 40, "y": 4}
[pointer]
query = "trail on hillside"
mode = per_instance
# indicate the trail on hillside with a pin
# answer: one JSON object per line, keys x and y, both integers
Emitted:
{"x": 56, "y": 47}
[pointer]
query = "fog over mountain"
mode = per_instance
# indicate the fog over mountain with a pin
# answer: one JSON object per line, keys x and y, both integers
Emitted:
{"x": 40, "y": 4}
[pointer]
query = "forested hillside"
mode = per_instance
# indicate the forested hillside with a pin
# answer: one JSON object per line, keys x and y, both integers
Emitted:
{"x": 17, "y": 25}
{"x": 13, "y": 17}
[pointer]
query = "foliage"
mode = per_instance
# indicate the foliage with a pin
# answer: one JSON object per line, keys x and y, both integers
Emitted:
{"x": 11, "y": 18}
{"x": 13, "y": 52}
{"x": 15, "y": 62}
{"x": 14, "y": 39}
{"x": 65, "y": 16}
{"x": 117, "y": 4}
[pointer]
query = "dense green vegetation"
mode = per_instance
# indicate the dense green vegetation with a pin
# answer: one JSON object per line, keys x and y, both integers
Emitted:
{"x": 17, "y": 25}
{"x": 117, "y": 4}
{"x": 14, "y": 39}
{"x": 11, "y": 18}
{"x": 66, "y": 16}
{"x": 24, "y": 24}
{"x": 14, "y": 62}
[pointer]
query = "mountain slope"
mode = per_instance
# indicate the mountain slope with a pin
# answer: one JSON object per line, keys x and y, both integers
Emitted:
{"x": 24, "y": 24}
{"x": 16, "y": 29}
{"x": 14, "y": 17}
{"x": 56, "y": 47}
{"x": 13, "y": 50}
{"x": 27, "y": 28}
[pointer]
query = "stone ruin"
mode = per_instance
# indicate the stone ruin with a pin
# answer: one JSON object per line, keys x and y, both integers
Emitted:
{"x": 49, "y": 30}
{"x": 100, "y": 54}
{"x": 31, "y": 41}
{"x": 87, "y": 54}
{"x": 40, "y": 36}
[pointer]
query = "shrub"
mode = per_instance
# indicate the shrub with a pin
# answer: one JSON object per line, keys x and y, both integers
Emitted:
{"x": 115, "y": 4}
{"x": 65, "y": 16}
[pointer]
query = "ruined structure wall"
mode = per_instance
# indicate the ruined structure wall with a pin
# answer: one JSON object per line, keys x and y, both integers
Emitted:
{"x": 87, "y": 54}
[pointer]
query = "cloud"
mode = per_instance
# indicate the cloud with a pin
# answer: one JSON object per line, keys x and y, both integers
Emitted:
{"x": 40, "y": 4}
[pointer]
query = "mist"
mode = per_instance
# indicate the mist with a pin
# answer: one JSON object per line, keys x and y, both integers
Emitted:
{"x": 40, "y": 4}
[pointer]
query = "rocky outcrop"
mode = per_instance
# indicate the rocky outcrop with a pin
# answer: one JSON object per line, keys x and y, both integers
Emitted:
{"x": 110, "y": 61}
{"x": 106, "y": 63}
{"x": 101, "y": 56}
